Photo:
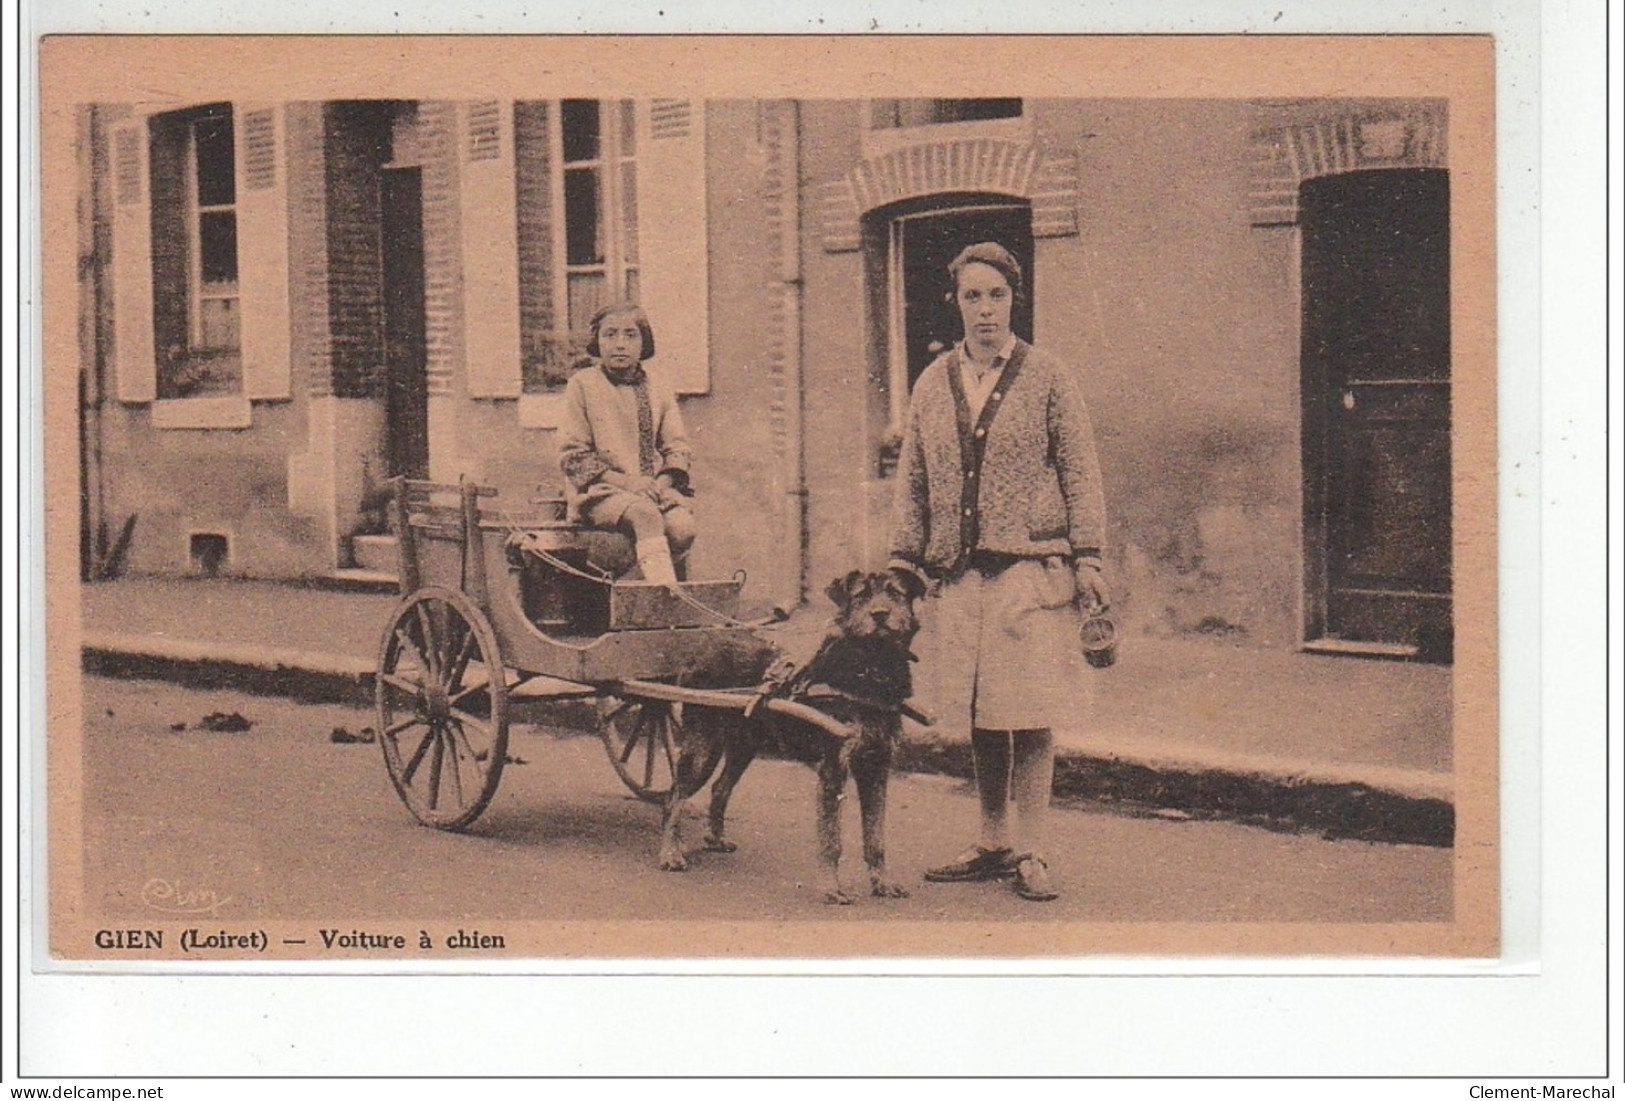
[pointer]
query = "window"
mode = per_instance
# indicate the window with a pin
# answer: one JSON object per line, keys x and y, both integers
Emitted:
{"x": 611, "y": 204}
{"x": 594, "y": 147}
{"x": 197, "y": 314}
{"x": 600, "y": 204}
{"x": 895, "y": 114}
{"x": 199, "y": 228}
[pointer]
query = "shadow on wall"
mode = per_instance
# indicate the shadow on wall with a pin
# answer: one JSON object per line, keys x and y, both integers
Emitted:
{"x": 1206, "y": 518}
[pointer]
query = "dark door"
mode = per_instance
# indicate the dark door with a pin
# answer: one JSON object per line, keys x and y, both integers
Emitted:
{"x": 405, "y": 344}
{"x": 925, "y": 243}
{"x": 1376, "y": 394}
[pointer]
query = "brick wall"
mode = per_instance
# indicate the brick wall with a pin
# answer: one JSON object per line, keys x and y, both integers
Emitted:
{"x": 1288, "y": 149}
{"x": 356, "y": 145}
{"x": 839, "y": 425}
{"x": 1048, "y": 177}
{"x": 532, "y": 154}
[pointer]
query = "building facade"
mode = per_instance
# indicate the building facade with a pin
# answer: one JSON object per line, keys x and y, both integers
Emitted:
{"x": 283, "y": 305}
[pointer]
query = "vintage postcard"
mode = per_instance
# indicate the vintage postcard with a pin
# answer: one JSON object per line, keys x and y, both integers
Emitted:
{"x": 1062, "y": 469}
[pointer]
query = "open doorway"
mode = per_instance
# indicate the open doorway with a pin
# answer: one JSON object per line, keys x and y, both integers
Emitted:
{"x": 909, "y": 248}
{"x": 922, "y": 245}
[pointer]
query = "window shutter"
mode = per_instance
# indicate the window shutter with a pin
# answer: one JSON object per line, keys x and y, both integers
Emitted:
{"x": 490, "y": 250}
{"x": 262, "y": 251}
{"x": 673, "y": 261}
{"x": 132, "y": 264}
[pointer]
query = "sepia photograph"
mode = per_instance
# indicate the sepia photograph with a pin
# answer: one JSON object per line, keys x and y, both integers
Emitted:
{"x": 785, "y": 498}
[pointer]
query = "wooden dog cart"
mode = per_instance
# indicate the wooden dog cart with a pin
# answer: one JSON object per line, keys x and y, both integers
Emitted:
{"x": 496, "y": 607}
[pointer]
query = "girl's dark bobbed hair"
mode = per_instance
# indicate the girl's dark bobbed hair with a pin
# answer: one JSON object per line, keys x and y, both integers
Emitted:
{"x": 637, "y": 315}
{"x": 995, "y": 256}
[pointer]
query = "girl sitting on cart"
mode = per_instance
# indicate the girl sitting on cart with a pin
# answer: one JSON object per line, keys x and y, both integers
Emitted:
{"x": 622, "y": 447}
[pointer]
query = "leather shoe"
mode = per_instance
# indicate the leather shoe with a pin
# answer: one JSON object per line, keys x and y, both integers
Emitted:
{"x": 1032, "y": 880}
{"x": 974, "y": 864}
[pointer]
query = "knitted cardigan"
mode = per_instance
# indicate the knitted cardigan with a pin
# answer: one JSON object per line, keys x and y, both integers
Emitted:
{"x": 598, "y": 432}
{"x": 1022, "y": 480}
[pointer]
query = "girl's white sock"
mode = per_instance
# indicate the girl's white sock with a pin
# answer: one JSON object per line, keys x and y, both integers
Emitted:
{"x": 654, "y": 559}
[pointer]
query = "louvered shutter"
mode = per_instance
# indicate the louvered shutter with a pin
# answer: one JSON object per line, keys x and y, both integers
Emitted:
{"x": 490, "y": 225}
{"x": 137, "y": 365}
{"x": 673, "y": 260}
{"x": 262, "y": 251}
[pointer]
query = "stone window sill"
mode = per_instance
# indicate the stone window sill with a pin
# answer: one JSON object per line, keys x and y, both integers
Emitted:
{"x": 182, "y": 413}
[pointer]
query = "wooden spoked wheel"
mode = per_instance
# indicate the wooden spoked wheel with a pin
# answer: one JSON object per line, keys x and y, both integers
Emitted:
{"x": 640, "y": 736}
{"x": 442, "y": 707}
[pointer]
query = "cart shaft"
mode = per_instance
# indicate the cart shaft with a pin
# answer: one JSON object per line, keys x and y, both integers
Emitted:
{"x": 731, "y": 701}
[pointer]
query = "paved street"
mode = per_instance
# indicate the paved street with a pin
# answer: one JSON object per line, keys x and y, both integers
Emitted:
{"x": 287, "y": 824}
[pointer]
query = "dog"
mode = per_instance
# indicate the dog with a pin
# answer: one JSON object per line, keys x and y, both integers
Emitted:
{"x": 859, "y": 676}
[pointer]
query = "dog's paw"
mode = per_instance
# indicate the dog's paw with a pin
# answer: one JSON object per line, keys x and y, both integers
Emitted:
{"x": 885, "y": 888}
{"x": 837, "y": 897}
{"x": 718, "y": 845}
{"x": 673, "y": 862}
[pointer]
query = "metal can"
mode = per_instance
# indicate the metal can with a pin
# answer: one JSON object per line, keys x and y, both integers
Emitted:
{"x": 1098, "y": 634}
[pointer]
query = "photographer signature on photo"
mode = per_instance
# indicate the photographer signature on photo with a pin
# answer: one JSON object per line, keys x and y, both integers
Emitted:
{"x": 176, "y": 897}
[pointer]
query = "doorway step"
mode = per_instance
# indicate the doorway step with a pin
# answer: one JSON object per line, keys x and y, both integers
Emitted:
{"x": 1394, "y": 651}
{"x": 376, "y": 564}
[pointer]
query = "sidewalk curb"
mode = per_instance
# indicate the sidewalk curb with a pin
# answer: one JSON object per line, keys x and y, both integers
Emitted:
{"x": 1227, "y": 788}
{"x": 1343, "y": 803}
{"x": 259, "y": 671}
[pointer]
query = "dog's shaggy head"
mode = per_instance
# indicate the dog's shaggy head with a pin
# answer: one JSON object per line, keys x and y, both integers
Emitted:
{"x": 874, "y": 605}
{"x": 866, "y": 650}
